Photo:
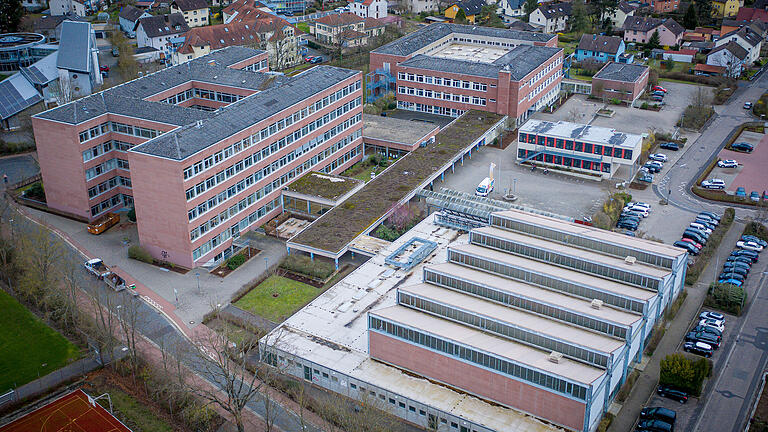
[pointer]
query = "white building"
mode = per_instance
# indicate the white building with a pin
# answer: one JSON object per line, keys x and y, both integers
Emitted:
{"x": 509, "y": 9}
{"x": 129, "y": 17}
{"x": 419, "y": 6}
{"x": 157, "y": 31}
{"x": 551, "y": 17}
{"x": 731, "y": 56}
{"x": 747, "y": 39}
{"x": 369, "y": 8}
{"x": 78, "y": 58}
{"x": 621, "y": 13}
{"x": 195, "y": 11}
{"x": 64, "y": 7}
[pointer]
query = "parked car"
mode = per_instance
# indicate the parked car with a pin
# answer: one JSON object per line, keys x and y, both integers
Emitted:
{"x": 645, "y": 177}
{"x": 745, "y": 253}
{"x": 742, "y": 147}
{"x": 747, "y": 105}
{"x": 736, "y": 282}
{"x": 104, "y": 68}
{"x": 738, "y": 267}
{"x": 634, "y": 213}
{"x": 707, "y": 338}
{"x": 672, "y": 393}
{"x": 661, "y": 157}
{"x": 654, "y": 426}
{"x": 715, "y": 324}
{"x": 741, "y": 192}
{"x": 731, "y": 275}
{"x": 653, "y": 169}
{"x": 712, "y": 315}
{"x": 695, "y": 237}
{"x": 740, "y": 259}
{"x": 687, "y": 240}
{"x": 316, "y": 59}
{"x": 700, "y": 348}
{"x": 749, "y": 245}
{"x": 639, "y": 204}
{"x": 754, "y": 196}
{"x": 757, "y": 240}
{"x": 115, "y": 52}
{"x": 659, "y": 413}
{"x": 657, "y": 98}
{"x": 713, "y": 184}
{"x": 711, "y": 215}
{"x": 701, "y": 227}
{"x": 711, "y": 329}
{"x": 687, "y": 246}
{"x": 709, "y": 223}
{"x": 659, "y": 93}
{"x": 659, "y": 88}
{"x": 308, "y": 59}
{"x": 669, "y": 146}
{"x": 728, "y": 163}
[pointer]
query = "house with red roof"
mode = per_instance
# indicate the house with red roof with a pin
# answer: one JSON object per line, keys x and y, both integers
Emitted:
{"x": 752, "y": 14}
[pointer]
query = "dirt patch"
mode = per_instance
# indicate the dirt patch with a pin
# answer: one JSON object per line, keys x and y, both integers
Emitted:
{"x": 299, "y": 278}
{"x": 223, "y": 270}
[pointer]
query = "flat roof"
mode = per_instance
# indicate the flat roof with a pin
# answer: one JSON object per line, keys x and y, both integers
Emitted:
{"x": 554, "y": 298}
{"x": 469, "y": 52}
{"x": 625, "y": 72}
{"x": 594, "y": 233}
{"x": 637, "y": 267}
{"x": 550, "y": 327}
{"x": 596, "y": 282}
{"x": 328, "y": 186}
{"x": 396, "y": 130}
{"x": 582, "y": 132}
{"x": 520, "y": 353}
{"x": 334, "y": 230}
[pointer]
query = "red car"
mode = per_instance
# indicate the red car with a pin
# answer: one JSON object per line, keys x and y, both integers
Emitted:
{"x": 104, "y": 68}
{"x": 308, "y": 59}
{"x": 659, "y": 88}
{"x": 687, "y": 240}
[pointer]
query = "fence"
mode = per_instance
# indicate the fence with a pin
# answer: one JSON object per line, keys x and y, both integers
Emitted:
{"x": 27, "y": 181}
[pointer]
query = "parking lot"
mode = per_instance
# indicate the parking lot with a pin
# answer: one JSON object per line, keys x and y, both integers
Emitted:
{"x": 751, "y": 174}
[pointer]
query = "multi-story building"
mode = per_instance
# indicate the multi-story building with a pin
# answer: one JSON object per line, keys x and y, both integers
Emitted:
{"x": 368, "y": 8}
{"x": 129, "y": 17}
{"x": 201, "y": 150}
{"x": 449, "y": 68}
{"x": 641, "y": 29}
{"x": 65, "y": 7}
{"x": 346, "y": 29}
{"x": 580, "y": 148}
{"x": 160, "y": 32}
{"x": 747, "y": 38}
{"x": 530, "y": 323}
{"x": 625, "y": 82}
{"x": 195, "y": 11}
{"x": 551, "y": 17}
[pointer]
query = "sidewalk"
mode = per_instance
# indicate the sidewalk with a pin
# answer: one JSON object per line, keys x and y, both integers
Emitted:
{"x": 646, "y": 383}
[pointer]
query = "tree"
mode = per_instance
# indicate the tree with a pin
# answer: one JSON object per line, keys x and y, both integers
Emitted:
{"x": 704, "y": 10}
{"x": 131, "y": 316}
{"x": 579, "y": 19}
{"x": 105, "y": 324}
{"x": 529, "y": 7}
{"x": 490, "y": 18}
{"x": 11, "y": 12}
{"x": 655, "y": 41}
{"x": 690, "y": 20}
{"x": 461, "y": 17}
{"x": 600, "y": 9}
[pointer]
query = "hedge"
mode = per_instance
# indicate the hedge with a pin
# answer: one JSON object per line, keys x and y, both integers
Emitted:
{"x": 235, "y": 261}
{"x": 726, "y": 297}
{"x": 685, "y": 373}
{"x": 756, "y": 229}
{"x": 707, "y": 252}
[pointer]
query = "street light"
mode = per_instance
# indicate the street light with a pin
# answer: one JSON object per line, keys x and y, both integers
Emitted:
{"x": 197, "y": 275}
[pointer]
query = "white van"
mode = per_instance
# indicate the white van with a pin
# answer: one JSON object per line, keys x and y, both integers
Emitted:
{"x": 485, "y": 187}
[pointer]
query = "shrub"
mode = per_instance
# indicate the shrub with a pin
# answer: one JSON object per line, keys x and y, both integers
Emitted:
{"x": 684, "y": 373}
{"x": 605, "y": 422}
{"x": 705, "y": 256}
{"x": 626, "y": 389}
{"x": 132, "y": 214}
{"x": 756, "y": 229}
{"x": 302, "y": 264}
{"x": 35, "y": 192}
{"x": 235, "y": 261}
{"x": 726, "y": 297}
{"x": 653, "y": 342}
{"x": 139, "y": 253}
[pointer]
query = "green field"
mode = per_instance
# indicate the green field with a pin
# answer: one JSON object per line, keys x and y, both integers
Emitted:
{"x": 291, "y": 296}
{"x": 28, "y": 346}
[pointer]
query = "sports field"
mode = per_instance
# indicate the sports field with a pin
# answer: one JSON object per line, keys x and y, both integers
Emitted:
{"x": 72, "y": 413}
{"x": 28, "y": 346}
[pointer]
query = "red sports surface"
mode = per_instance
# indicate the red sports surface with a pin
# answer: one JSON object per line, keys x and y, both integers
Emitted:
{"x": 71, "y": 413}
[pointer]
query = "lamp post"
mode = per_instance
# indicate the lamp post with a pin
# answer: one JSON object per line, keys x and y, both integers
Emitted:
{"x": 197, "y": 275}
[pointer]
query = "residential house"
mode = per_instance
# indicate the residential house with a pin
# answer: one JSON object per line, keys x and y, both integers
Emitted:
{"x": 471, "y": 8}
{"x": 128, "y": 17}
{"x": 640, "y": 29}
{"x": 369, "y": 8}
{"x": 50, "y": 25}
{"x": 620, "y": 14}
{"x": 510, "y": 10}
{"x": 683, "y": 55}
{"x": 419, "y": 6}
{"x": 274, "y": 35}
{"x": 726, "y": 8}
{"x": 747, "y": 39}
{"x": 752, "y": 14}
{"x": 161, "y": 32}
{"x": 701, "y": 34}
{"x": 346, "y": 29}
{"x": 759, "y": 27}
{"x": 195, "y": 11}
{"x": 551, "y": 17}
{"x": 67, "y": 7}
{"x": 663, "y": 6}
{"x": 731, "y": 56}
{"x": 78, "y": 58}
{"x": 602, "y": 49}
{"x": 244, "y": 11}
{"x": 34, "y": 5}
{"x": 708, "y": 70}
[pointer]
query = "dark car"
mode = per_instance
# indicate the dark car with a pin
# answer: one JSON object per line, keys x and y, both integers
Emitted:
{"x": 669, "y": 146}
{"x": 712, "y": 215}
{"x": 653, "y": 169}
{"x": 732, "y": 268}
{"x": 316, "y": 59}
{"x": 672, "y": 393}
{"x": 740, "y": 259}
{"x": 745, "y": 253}
{"x": 707, "y": 338}
{"x": 731, "y": 275}
{"x": 698, "y": 238}
{"x": 742, "y": 147}
{"x": 706, "y": 222}
{"x": 711, "y": 330}
{"x": 659, "y": 413}
{"x": 626, "y": 217}
{"x": 757, "y": 240}
{"x": 700, "y": 348}
{"x": 654, "y": 426}
{"x": 698, "y": 232}
{"x": 687, "y": 246}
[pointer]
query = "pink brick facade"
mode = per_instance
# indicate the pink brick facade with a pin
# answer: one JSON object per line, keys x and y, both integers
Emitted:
{"x": 622, "y": 90}
{"x": 479, "y": 381}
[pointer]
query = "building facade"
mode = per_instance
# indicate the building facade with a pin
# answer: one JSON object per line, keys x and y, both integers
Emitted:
{"x": 195, "y": 12}
{"x": 369, "y": 8}
{"x": 448, "y": 69}
{"x": 129, "y": 17}
{"x": 551, "y": 17}
{"x": 161, "y": 32}
{"x": 201, "y": 150}
{"x": 67, "y": 7}
{"x": 747, "y": 38}
{"x": 641, "y": 29}
{"x": 583, "y": 149}
{"x": 625, "y": 82}
{"x": 663, "y": 6}
{"x": 346, "y": 29}
{"x": 601, "y": 49}
{"x": 20, "y": 50}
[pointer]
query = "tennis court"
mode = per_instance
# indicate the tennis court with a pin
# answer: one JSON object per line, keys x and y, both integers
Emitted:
{"x": 74, "y": 412}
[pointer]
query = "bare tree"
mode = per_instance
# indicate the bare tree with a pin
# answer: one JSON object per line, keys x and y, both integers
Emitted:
{"x": 366, "y": 415}
{"x": 41, "y": 253}
{"x": 105, "y": 327}
{"x": 574, "y": 115}
{"x": 62, "y": 89}
{"x": 131, "y": 317}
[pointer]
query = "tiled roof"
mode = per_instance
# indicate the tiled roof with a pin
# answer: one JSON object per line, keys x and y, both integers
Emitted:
{"x": 646, "y": 24}
{"x": 371, "y": 23}
{"x": 555, "y": 10}
{"x": 709, "y": 68}
{"x": 163, "y": 25}
{"x": 190, "y": 139}
{"x": 235, "y": 33}
{"x": 471, "y": 7}
{"x": 734, "y": 48}
{"x": 626, "y": 7}
{"x": 130, "y": 13}
{"x": 746, "y": 34}
{"x": 600, "y": 43}
{"x": 352, "y": 34}
{"x": 190, "y": 5}
{"x": 621, "y": 72}
{"x": 51, "y": 22}
{"x": 412, "y": 42}
{"x": 244, "y": 7}
{"x": 752, "y": 14}
{"x": 74, "y": 46}
{"x": 339, "y": 20}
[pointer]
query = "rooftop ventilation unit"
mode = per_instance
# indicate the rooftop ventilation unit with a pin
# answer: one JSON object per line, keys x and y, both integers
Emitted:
{"x": 555, "y": 357}
{"x": 597, "y": 304}
{"x": 630, "y": 260}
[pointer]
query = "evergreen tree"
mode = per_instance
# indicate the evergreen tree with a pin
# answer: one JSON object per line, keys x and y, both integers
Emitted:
{"x": 461, "y": 17}
{"x": 654, "y": 41}
{"x": 690, "y": 20}
{"x": 10, "y": 15}
{"x": 529, "y": 7}
{"x": 601, "y": 9}
{"x": 579, "y": 20}
{"x": 704, "y": 10}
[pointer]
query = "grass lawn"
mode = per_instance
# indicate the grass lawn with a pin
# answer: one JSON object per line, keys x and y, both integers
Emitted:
{"x": 128, "y": 409}
{"x": 361, "y": 172}
{"x": 291, "y": 296}
{"x": 28, "y": 345}
{"x": 678, "y": 66}
{"x": 303, "y": 27}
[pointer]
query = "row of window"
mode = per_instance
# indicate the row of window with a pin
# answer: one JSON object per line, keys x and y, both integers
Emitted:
{"x": 200, "y": 93}
{"x": 249, "y": 160}
{"x": 566, "y": 161}
{"x": 220, "y": 156}
{"x": 105, "y": 167}
{"x": 108, "y": 185}
{"x": 118, "y": 127}
{"x": 252, "y": 218}
{"x": 100, "y": 149}
{"x": 447, "y": 82}
{"x": 474, "y": 100}
{"x": 507, "y": 330}
{"x": 577, "y": 146}
{"x": 562, "y": 259}
{"x": 469, "y": 354}
{"x": 545, "y": 71}
{"x": 540, "y": 88}
{"x": 111, "y": 202}
{"x": 542, "y": 280}
{"x": 432, "y": 109}
{"x": 519, "y": 301}
{"x": 615, "y": 250}
{"x": 261, "y": 65}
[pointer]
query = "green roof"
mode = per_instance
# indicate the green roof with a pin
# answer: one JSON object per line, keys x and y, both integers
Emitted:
{"x": 328, "y": 186}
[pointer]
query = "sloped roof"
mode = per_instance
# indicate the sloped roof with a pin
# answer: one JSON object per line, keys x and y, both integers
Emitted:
{"x": 626, "y": 7}
{"x": 522, "y": 25}
{"x": 646, "y": 24}
{"x": 746, "y": 34}
{"x": 74, "y": 46}
{"x": 163, "y": 25}
{"x": 600, "y": 43}
{"x": 190, "y": 5}
{"x": 131, "y": 13}
{"x": 51, "y": 22}
{"x": 371, "y": 23}
{"x": 471, "y": 7}
{"x": 514, "y": 4}
{"x": 701, "y": 67}
{"x": 555, "y": 10}
{"x": 246, "y": 10}
{"x": 16, "y": 95}
{"x": 42, "y": 71}
{"x": 220, "y": 36}
{"x": 752, "y": 14}
{"x": 338, "y": 20}
{"x": 352, "y": 34}
{"x": 734, "y": 48}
